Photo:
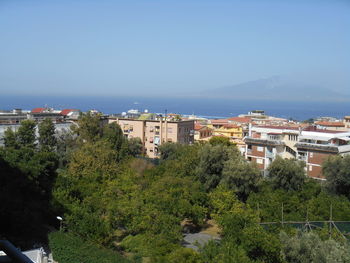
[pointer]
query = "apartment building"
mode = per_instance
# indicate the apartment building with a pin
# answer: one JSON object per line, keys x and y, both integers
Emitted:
{"x": 346, "y": 122}
{"x": 331, "y": 125}
{"x": 265, "y": 143}
{"x": 202, "y": 132}
{"x": 155, "y": 132}
{"x": 309, "y": 144}
{"x": 315, "y": 146}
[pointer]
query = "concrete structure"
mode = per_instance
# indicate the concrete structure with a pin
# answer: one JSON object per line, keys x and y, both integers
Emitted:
{"x": 155, "y": 132}
{"x": 265, "y": 143}
{"x": 314, "y": 147}
{"x": 59, "y": 129}
{"x": 310, "y": 144}
{"x": 38, "y": 114}
{"x": 202, "y": 132}
{"x": 331, "y": 125}
{"x": 346, "y": 122}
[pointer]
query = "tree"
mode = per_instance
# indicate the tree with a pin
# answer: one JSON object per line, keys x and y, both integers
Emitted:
{"x": 113, "y": 134}
{"x": 47, "y": 139}
{"x": 337, "y": 171}
{"x": 215, "y": 140}
{"x": 287, "y": 174}
{"x": 211, "y": 163}
{"x": 26, "y": 133}
{"x": 135, "y": 147}
{"x": 241, "y": 176}
{"x": 260, "y": 244}
{"x": 89, "y": 127}
{"x": 307, "y": 247}
{"x": 169, "y": 150}
{"x": 93, "y": 160}
{"x": 10, "y": 139}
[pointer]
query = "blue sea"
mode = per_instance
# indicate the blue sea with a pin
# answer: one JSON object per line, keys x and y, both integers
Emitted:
{"x": 218, "y": 108}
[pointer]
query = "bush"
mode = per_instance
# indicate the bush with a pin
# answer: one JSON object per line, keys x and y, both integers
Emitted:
{"x": 67, "y": 248}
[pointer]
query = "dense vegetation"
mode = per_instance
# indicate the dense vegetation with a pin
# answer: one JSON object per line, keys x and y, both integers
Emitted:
{"x": 116, "y": 202}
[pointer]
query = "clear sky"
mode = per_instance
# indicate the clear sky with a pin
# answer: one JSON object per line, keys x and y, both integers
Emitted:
{"x": 169, "y": 47}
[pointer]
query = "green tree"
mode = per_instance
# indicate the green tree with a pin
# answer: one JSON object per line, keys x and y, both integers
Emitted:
{"x": 89, "y": 128}
{"x": 241, "y": 176}
{"x": 26, "y": 133}
{"x": 307, "y": 247}
{"x": 184, "y": 255}
{"x": 93, "y": 159}
{"x": 114, "y": 135}
{"x": 287, "y": 174}
{"x": 215, "y": 140}
{"x": 47, "y": 139}
{"x": 135, "y": 147}
{"x": 169, "y": 150}
{"x": 10, "y": 139}
{"x": 337, "y": 171}
{"x": 211, "y": 163}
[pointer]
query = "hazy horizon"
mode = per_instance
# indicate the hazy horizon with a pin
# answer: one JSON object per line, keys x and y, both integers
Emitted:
{"x": 172, "y": 48}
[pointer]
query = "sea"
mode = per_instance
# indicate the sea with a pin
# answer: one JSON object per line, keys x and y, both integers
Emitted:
{"x": 204, "y": 107}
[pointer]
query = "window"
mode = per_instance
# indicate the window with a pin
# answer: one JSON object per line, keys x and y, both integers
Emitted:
{"x": 311, "y": 155}
{"x": 310, "y": 168}
{"x": 293, "y": 137}
{"x": 259, "y": 161}
{"x": 260, "y": 149}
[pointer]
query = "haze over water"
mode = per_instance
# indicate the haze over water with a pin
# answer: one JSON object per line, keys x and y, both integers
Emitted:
{"x": 198, "y": 106}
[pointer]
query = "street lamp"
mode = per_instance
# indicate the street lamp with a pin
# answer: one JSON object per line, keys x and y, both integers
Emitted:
{"x": 61, "y": 220}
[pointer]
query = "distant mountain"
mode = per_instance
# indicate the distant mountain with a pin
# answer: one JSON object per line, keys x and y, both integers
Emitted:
{"x": 276, "y": 88}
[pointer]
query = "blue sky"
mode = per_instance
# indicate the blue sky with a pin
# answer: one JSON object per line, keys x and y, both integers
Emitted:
{"x": 169, "y": 47}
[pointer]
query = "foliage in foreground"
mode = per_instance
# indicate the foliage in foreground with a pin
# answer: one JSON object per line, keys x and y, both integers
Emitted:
{"x": 67, "y": 248}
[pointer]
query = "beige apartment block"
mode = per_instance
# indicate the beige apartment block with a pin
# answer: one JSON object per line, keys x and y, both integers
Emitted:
{"x": 153, "y": 133}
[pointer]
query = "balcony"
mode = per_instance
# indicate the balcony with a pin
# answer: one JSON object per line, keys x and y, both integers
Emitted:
{"x": 263, "y": 141}
{"x": 302, "y": 158}
{"x": 318, "y": 147}
{"x": 270, "y": 154}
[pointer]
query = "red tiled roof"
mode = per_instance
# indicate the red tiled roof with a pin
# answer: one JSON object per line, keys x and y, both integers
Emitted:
{"x": 279, "y": 127}
{"x": 198, "y": 126}
{"x": 66, "y": 111}
{"x": 38, "y": 110}
{"x": 331, "y": 123}
{"x": 219, "y": 121}
{"x": 241, "y": 119}
{"x": 230, "y": 126}
{"x": 314, "y": 129}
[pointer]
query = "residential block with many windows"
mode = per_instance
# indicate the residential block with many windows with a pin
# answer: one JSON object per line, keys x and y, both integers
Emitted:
{"x": 155, "y": 132}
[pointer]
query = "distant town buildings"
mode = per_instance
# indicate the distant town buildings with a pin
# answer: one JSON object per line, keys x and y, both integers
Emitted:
{"x": 62, "y": 119}
{"x": 259, "y": 137}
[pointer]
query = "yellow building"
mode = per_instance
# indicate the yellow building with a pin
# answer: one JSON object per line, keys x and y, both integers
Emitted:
{"x": 228, "y": 130}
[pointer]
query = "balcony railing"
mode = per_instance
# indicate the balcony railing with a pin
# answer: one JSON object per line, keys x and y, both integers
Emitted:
{"x": 319, "y": 147}
{"x": 270, "y": 154}
{"x": 263, "y": 141}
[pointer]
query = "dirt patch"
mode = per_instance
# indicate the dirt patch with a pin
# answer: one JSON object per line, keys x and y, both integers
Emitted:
{"x": 211, "y": 228}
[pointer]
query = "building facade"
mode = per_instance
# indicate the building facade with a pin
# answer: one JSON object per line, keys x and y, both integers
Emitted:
{"x": 153, "y": 133}
{"x": 310, "y": 144}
